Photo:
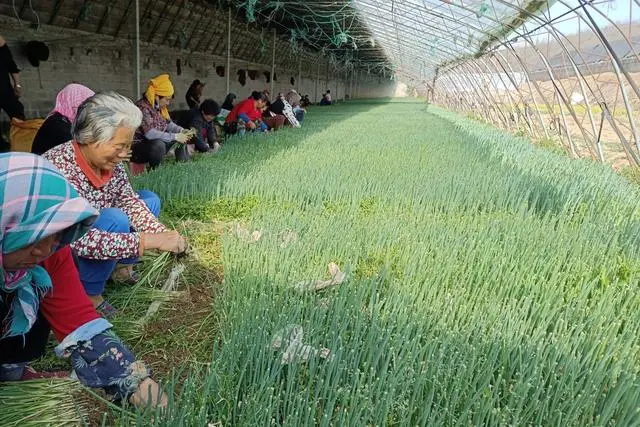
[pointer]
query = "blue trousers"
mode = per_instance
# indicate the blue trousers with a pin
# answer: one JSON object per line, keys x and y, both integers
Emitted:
{"x": 94, "y": 273}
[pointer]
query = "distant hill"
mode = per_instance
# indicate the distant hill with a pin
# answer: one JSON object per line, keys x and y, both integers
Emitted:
{"x": 586, "y": 50}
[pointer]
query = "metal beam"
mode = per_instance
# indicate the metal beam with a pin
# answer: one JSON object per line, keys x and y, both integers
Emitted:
{"x": 123, "y": 18}
{"x": 228, "y": 71}
{"x": 82, "y": 10}
{"x": 105, "y": 15}
{"x": 273, "y": 64}
{"x": 152, "y": 33}
{"x": 56, "y": 9}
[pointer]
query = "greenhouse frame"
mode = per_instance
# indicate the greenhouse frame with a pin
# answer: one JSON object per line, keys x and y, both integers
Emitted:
{"x": 320, "y": 213}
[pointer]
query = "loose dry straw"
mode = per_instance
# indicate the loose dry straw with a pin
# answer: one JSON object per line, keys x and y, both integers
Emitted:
{"x": 169, "y": 286}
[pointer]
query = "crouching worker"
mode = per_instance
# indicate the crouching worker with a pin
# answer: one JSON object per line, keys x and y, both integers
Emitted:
{"x": 294, "y": 100}
{"x": 201, "y": 121}
{"x": 247, "y": 115}
{"x": 128, "y": 224}
{"x": 40, "y": 289}
{"x": 56, "y": 129}
{"x": 283, "y": 108}
{"x": 158, "y": 133}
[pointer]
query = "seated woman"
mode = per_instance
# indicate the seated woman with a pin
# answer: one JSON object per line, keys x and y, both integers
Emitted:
{"x": 225, "y": 109}
{"x": 281, "y": 107}
{"x": 56, "y": 128}
{"x": 229, "y": 101}
{"x": 294, "y": 99}
{"x": 247, "y": 113}
{"x": 194, "y": 93}
{"x": 127, "y": 225}
{"x": 40, "y": 289}
{"x": 305, "y": 101}
{"x": 274, "y": 120}
{"x": 157, "y": 133}
{"x": 326, "y": 98}
{"x": 201, "y": 120}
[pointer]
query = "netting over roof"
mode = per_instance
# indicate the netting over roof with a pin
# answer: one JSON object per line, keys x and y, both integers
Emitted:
{"x": 407, "y": 37}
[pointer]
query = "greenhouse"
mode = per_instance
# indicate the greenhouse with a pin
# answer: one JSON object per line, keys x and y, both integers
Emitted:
{"x": 331, "y": 212}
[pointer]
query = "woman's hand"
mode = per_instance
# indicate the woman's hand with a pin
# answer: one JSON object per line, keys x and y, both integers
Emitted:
{"x": 251, "y": 125}
{"x": 168, "y": 241}
{"x": 149, "y": 393}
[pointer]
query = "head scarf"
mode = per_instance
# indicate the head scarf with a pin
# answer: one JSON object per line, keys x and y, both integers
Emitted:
{"x": 37, "y": 202}
{"x": 69, "y": 99}
{"x": 160, "y": 86}
{"x": 228, "y": 101}
{"x": 292, "y": 97}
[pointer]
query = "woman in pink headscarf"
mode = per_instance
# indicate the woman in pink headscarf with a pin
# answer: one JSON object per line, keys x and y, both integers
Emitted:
{"x": 56, "y": 129}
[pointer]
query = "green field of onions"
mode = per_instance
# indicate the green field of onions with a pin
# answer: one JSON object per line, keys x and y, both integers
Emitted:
{"x": 487, "y": 282}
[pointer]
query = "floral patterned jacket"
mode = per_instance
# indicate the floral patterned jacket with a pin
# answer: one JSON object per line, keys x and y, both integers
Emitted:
{"x": 111, "y": 190}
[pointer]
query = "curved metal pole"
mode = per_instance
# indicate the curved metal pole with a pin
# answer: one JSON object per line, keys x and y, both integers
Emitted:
{"x": 459, "y": 106}
{"x": 529, "y": 85}
{"x": 479, "y": 94}
{"x": 557, "y": 89}
{"x": 611, "y": 23}
{"x": 564, "y": 122}
{"x": 517, "y": 87}
{"x": 619, "y": 67}
{"x": 468, "y": 86}
{"x": 512, "y": 106}
{"x": 454, "y": 105}
{"x": 564, "y": 100}
{"x": 580, "y": 77}
{"x": 493, "y": 102}
{"x": 623, "y": 141}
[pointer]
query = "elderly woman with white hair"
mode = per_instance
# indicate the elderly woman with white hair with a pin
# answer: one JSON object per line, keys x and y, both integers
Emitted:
{"x": 127, "y": 225}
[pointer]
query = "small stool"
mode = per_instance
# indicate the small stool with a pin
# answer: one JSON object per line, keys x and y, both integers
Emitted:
{"x": 136, "y": 168}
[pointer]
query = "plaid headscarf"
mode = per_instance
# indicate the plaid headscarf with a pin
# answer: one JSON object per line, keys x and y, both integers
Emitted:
{"x": 37, "y": 202}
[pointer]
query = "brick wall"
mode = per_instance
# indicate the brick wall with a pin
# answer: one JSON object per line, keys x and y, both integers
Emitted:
{"x": 104, "y": 63}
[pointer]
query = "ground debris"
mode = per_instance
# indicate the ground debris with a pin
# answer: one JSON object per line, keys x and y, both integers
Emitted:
{"x": 337, "y": 277}
{"x": 289, "y": 340}
{"x": 287, "y": 238}
{"x": 169, "y": 286}
{"x": 245, "y": 235}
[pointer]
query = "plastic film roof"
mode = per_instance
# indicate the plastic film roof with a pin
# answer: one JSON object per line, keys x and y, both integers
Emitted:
{"x": 411, "y": 38}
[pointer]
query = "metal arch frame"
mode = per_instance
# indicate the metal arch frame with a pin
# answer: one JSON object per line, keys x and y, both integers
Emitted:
{"x": 555, "y": 33}
{"x": 576, "y": 67}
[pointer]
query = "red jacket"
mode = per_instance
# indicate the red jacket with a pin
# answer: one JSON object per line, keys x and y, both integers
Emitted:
{"x": 248, "y": 107}
{"x": 66, "y": 306}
